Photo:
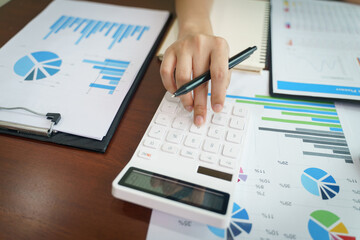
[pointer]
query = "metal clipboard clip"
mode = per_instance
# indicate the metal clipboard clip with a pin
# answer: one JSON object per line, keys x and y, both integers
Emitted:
{"x": 54, "y": 118}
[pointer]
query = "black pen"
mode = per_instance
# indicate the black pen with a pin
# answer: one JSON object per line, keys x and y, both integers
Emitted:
{"x": 233, "y": 61}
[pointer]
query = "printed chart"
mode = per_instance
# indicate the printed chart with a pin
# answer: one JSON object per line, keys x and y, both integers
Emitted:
{"x": 242, "y": 176}
{"x": 111, "y": 71}
{"x": 239, "y": 223}
{"x": 319, "y": 183}
{"x": 324, "y": 133}
{"x": 80, "y": 56}
{"x": 324, "y": 225}
{"x": 38, "y": 65}
{"x": 88, "y": 27}
{"x": 315, "y": 49}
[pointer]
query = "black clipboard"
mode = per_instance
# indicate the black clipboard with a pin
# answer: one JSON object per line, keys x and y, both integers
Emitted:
{"x": 92, "y": 144}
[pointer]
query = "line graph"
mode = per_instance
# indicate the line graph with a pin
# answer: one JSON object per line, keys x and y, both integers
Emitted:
{"x": 321, "y": 65}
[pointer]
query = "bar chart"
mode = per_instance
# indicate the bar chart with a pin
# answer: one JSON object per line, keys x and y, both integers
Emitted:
{"x": 315, "y": 124}
{"x": 86, "y": 28}
{"x": 110, "y": 73}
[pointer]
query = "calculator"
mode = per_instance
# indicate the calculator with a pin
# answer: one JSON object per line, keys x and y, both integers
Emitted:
{"x": 185, "y": 170}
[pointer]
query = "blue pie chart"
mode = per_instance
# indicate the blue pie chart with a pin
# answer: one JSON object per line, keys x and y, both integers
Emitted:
{"x": 38, "y": 65}
{"x": 319, "y": 183}
{"x": 239, "y": 223}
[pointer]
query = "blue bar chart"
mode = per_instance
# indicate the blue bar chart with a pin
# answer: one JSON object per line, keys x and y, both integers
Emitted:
{"x": 110, "y": 73}
{"x": 85, "y": 28}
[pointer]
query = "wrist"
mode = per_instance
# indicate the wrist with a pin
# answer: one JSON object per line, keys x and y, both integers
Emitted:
{"x": 195, "y": 26}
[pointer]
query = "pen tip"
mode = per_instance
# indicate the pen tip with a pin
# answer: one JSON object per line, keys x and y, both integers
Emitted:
{"x": 173, "y": 96}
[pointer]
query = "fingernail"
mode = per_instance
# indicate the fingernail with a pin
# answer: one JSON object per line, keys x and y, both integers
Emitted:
{"x": 217, "y": 107}
{"x": 189, "y": 108}
{"x": 199, "y": 120}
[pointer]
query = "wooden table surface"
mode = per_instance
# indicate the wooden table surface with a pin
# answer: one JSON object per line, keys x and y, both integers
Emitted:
{"x": 49, "y": 191}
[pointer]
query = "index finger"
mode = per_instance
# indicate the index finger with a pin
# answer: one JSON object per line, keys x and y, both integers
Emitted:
{"x": 220, "y": 74}
{"x": 167, "y": 69}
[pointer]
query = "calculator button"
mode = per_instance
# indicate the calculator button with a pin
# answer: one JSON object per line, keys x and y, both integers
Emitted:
{"x": 234, "y": 136}
{"x": 209, "y": 115}
{"x": 151, "y": 143}
{"x": 198, "y": 130}
{"x": 226, "y": 162}
{"x": 174, "y": 137}
{"x": 163, "y": 119}
{"x": 181, "y": 123}
{"x": 189, "y": 153}
{"x": 220, "y": 119}
{"x": 192, "y": 141}
{"x": 156, "y": 132}
{"x": 182, "y": 112}
{"x": 216, "y": 132}
{"x": 169, "y": 107}
{"x": 230, "y": 150}
{"x": 211, "y": 146}
{"x": 239, "y": 110}
{"x": 237, "y": 123}
{"x": 168, "y": 96}
{"x": 205, "y": 157}
{"x": 226, "y": 108}
{"x": 144, "y": 154}
{"x": 170, "y": 148}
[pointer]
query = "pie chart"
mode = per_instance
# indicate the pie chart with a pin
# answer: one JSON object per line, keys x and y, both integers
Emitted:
{"x": 38, "y": 65}
{"x": 242, "y": 176}
{"x": 239, "y": 223}
{"x": 319, "y": 183}
{"x": 324, "y": 225}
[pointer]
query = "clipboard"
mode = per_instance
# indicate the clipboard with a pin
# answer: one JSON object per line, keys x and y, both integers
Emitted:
{"x": 93, "y": 144}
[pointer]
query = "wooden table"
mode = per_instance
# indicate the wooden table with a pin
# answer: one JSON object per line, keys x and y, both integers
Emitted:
{"x": 49, "y": 191}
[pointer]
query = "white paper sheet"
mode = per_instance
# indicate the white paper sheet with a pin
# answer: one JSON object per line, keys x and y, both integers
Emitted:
{"x": 71, "y": 45}
{"x": 316, "y": 48}
{"x": 278, "y": 196}
{"x": 349, "y": 114}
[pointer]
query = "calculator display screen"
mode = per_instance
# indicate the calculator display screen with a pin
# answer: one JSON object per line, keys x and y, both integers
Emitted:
{"x": 176, "y": 190}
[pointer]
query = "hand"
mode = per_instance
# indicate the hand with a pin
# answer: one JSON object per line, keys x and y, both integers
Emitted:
{"x": 196, "y": 51}
{"x": 194, "y": 54}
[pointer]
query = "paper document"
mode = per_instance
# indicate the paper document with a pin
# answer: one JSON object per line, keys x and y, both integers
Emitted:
{"x": 297, "y": 179}
{"x": 316, "y": 48}
{"x": 78, "y": 59}
{"x": 242, "y": 23}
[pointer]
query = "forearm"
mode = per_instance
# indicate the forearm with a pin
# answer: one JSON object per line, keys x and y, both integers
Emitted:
{"x": 195, "y": 51}
{"x": 194, "y": 16}
{"x": 353, "y": 1}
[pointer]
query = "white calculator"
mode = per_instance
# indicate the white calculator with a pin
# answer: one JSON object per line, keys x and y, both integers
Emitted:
{"x": 185, "y": 170}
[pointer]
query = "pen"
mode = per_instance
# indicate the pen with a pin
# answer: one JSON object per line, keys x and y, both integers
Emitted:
{"x": 233, "y": 61}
